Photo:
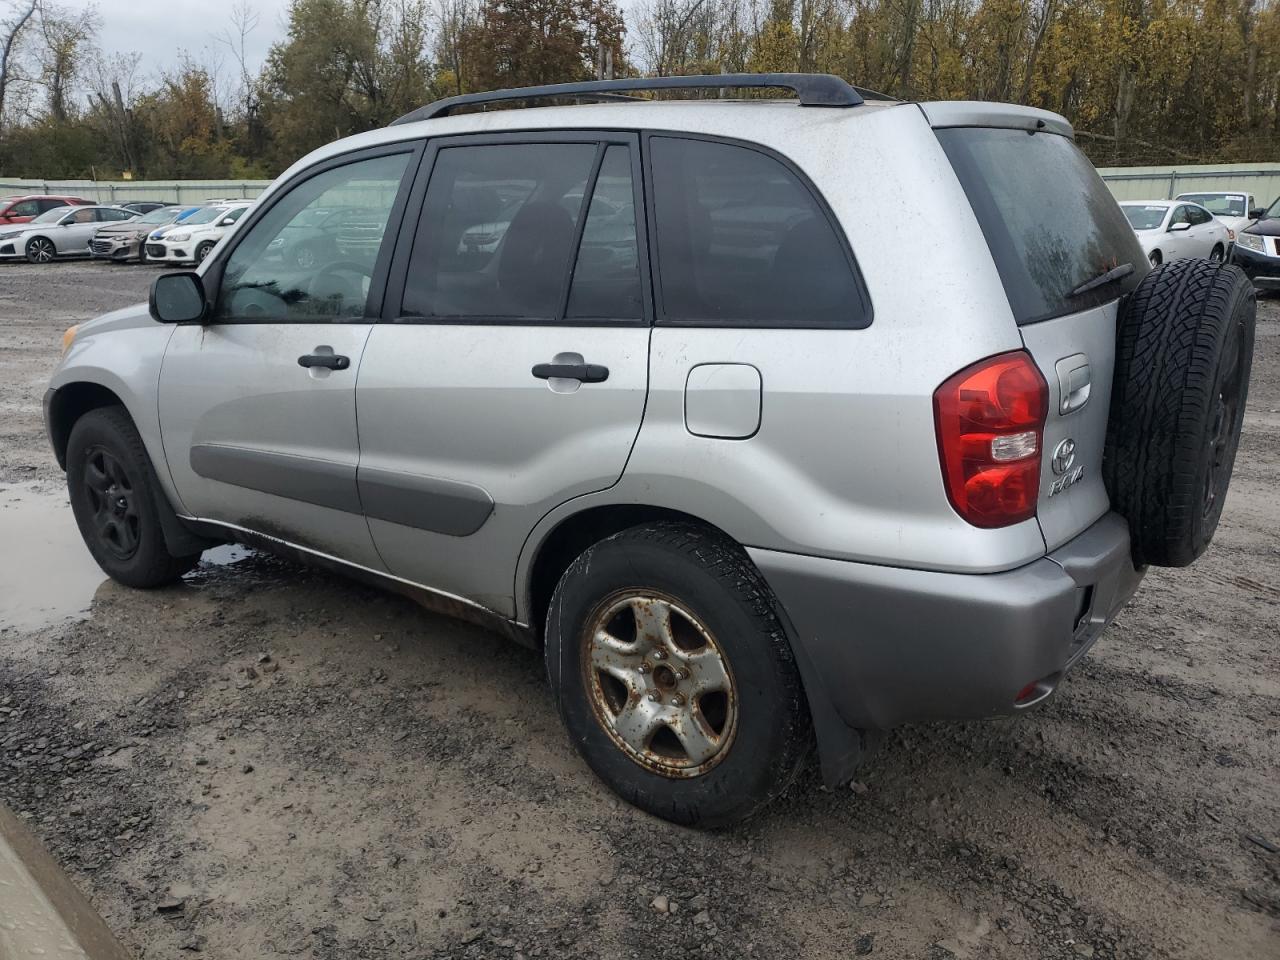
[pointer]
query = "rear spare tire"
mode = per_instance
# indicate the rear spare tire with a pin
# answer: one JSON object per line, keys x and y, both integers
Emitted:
{"x": 1183, "y": 355}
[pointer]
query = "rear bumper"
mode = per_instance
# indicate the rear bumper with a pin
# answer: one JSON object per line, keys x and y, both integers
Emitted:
{"x": 1262, "y": 269}
{"x": 891, "y": 646}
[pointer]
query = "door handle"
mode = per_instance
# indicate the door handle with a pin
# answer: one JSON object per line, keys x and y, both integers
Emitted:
{"x": 582, "y": 372}
{"x": 330, "y": 361}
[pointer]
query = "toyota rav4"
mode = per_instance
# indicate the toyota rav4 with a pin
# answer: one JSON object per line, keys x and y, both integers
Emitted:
{"x": 646, "y": 384}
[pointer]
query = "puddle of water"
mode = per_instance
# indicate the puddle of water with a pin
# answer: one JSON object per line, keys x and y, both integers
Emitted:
{"x": 46, "y": 573}
{"x": 226, "y": 555}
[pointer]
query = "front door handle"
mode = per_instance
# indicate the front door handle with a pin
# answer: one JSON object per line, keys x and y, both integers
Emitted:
{"x": 582, "y": 372}
{"x": 330, "y": 361}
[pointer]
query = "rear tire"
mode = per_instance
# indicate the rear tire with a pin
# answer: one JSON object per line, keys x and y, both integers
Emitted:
{"x": 1183, "y": 357}
{"x": 702, "y": 721}
{"x": 115, "y": 499}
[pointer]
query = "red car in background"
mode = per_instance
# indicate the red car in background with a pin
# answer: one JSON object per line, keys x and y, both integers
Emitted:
{"x": 25, "y": 209}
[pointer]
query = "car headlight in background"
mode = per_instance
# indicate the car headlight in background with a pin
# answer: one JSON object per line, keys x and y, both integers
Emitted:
{"x": 1250, "y": 240}
{"x": 10, "y": 236}
{"x": 69, "y": 337}
{"x": 178, "y": 237}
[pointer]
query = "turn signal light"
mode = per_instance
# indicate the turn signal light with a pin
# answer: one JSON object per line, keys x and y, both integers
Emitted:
{"x": 990, "y": 422}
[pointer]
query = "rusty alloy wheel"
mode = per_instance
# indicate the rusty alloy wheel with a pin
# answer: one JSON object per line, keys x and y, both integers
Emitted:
{"x": 659, "y": 684}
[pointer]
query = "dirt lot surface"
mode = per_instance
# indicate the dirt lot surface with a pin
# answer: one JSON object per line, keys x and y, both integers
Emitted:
{"x": 268, "y": 761}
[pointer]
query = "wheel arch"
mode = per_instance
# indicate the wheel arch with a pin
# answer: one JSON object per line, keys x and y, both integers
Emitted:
{"x": 841, "y": 748}
{"x": 69, "y": 403}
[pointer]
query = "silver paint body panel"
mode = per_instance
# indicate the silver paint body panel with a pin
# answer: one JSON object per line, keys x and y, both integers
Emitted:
{"x": 842, "y": 464}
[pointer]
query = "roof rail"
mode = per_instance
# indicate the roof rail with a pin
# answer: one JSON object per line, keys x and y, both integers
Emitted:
{"x": 812, "y": 89}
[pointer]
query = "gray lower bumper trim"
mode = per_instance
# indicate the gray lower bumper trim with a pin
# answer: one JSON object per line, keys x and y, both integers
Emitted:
{"x": 896, "y": 646}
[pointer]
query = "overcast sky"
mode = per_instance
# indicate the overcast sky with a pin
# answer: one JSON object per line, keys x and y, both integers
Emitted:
{"x": 159, "y": 29}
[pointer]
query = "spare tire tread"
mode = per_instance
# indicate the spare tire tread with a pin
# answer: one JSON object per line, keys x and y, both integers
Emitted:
{"x": 1168, "y": 354}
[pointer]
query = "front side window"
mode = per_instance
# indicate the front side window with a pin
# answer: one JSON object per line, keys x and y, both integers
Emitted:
{"x": 27, "y": 208}
{"x": 83, "y": 216}
{"x": 1181, "y": 215}
{"x": 743, "y": 242}
{"x": 497, "y": 231}
{"x": 267, "y": 278}
{"x": 1199, "y": 216}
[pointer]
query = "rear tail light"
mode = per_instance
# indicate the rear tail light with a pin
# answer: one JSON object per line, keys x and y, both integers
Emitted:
{"x": 990, "y": 421}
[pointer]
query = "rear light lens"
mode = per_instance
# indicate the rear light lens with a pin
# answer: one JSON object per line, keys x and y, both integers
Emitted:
{"x": 990, "y": 421}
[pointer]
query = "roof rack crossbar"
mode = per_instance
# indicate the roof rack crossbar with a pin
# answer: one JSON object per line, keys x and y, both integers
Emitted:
{"x": 812, "y": 89}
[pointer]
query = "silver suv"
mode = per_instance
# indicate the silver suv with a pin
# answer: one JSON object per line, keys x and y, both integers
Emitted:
{"x": 684, "y": 394}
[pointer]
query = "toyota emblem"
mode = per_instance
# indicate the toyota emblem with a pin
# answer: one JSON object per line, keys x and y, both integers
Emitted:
{"x": 1064, "y": 455}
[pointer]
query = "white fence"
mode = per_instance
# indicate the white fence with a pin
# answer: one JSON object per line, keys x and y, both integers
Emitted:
{"x": 123, "y": 191}
{"x": 1164, "y": 183}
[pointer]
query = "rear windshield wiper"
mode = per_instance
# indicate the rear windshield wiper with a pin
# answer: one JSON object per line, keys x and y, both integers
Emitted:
{"x": 1102, "y": 279}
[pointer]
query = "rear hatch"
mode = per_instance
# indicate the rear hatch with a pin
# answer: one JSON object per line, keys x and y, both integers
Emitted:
{"x": 1052, "y": 227}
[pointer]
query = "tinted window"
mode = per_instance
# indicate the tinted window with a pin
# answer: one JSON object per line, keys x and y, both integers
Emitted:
{"x": 606, "y": 276}
{"x": 1221, "y": 204}
{"x": 1181, "y": 215}
{"x": 1199, "y": 216}
{"x": 1048, "y": 218}
{"x": 266, "y": 279}
{"x": 83, "y": 216}
{"x": 27, "y": 208}
{"x": 742, "y": 241}
{"x": 107, "y": 216}
{"x": 51, "y": 204}
{"x": 1145, "y": 216}
{"x": 497, "y": 231}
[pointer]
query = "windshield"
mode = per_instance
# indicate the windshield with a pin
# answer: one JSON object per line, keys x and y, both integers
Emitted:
{"x": 205, "y": 215}
{"x": 1219, "y": 204}
{"x": 163, "y": 215}
{"x": 54, "y": 215}
{"x": 1048, "y": 218}
{"x": 1144, "y": 216}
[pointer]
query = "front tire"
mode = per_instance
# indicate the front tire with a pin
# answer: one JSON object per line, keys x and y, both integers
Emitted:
{"x": 203, "y": 251}
{"x": 114, "y": 494}
{"x": 674, "y": 676}
{"x": 1217, "y": 254}
{"x": 40, "y": 250}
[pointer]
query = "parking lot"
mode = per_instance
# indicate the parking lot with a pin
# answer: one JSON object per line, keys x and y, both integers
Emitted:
{"x": 270, "y": 761}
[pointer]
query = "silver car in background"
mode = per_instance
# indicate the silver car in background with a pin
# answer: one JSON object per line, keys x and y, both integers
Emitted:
{"x": 60, "y": 232}
{"x": 747, "y": 471}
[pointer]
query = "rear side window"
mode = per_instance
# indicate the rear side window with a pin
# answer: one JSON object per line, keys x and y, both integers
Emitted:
{"x": 497, "y": 232}
{"x": 742, "y": 241}
{"x": 1048, "y": 218}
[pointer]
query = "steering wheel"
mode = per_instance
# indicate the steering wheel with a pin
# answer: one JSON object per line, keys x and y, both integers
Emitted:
{"x": 344, "y": 281}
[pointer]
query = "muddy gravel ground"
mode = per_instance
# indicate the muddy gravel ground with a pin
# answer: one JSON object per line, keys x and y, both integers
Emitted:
{"x": 269, "y": 761}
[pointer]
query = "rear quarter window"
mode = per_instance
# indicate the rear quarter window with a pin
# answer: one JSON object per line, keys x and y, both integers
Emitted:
{"x": 1050, "y": 222}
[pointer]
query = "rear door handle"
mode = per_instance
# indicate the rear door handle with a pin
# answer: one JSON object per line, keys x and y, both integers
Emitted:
{"x": 330, "y": 361}
{"x": 582, "y": 372}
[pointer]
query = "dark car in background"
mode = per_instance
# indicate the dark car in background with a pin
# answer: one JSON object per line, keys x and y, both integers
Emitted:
{"x": 24, "y": 209}
{"x": 1257, "y": 249}
{"x": 145, "y": 206}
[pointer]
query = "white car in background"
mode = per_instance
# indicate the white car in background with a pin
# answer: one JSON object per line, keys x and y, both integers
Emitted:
{"x": 1176, "y": 230}
{"x": 191, "y": 240}
{"x": 1234, "y": 209}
